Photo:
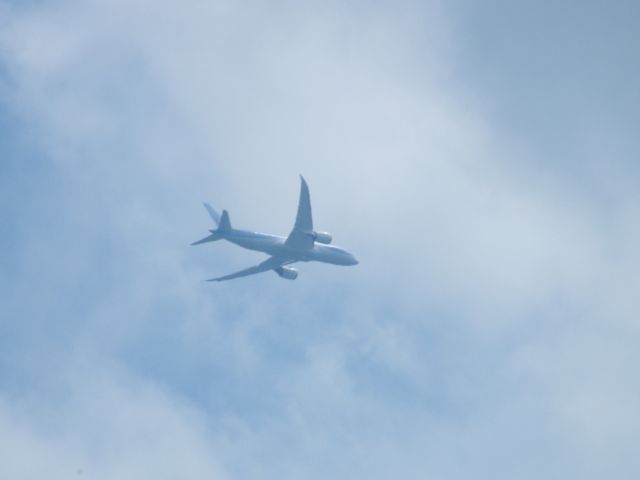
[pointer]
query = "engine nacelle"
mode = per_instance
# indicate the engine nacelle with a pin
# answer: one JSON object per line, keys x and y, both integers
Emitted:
{"x": 287, "y": 272}
{"x": 322, "y": 237}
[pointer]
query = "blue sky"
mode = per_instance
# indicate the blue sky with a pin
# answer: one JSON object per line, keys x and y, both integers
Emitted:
{"x": 480, "y": 160}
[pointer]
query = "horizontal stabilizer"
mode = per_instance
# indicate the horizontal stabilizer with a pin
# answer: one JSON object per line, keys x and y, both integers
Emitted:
{"x": 215, "y": 216}
{"x": 221, "y": 221}
{"x": 211, "y": 238}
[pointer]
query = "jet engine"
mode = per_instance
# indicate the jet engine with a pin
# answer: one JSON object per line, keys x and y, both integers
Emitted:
{"x": 322, "y": 237}
{"x": 287, "y": 272}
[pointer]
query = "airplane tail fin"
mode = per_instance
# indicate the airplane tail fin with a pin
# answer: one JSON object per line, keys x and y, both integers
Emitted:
{"x": 225, "y": 223}
{"x": 222, "y": 223}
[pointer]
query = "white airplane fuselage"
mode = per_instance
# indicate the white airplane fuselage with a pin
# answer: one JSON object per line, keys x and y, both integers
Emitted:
{"x": 303, "y": 244}
{"x": 274, "y": 245}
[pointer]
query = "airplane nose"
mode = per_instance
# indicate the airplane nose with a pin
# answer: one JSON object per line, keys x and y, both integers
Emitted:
{"x": 354, "y": 261}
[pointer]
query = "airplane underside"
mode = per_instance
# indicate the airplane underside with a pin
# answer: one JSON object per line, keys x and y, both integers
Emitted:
{"x": 302, "y": 245}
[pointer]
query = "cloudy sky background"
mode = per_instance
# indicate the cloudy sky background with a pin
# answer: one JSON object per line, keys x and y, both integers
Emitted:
{"x": 479, "y": 158}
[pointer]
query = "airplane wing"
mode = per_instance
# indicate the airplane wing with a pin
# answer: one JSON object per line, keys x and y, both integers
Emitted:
{"x": 301, "y": 235}
{"x": 270, "y": 263}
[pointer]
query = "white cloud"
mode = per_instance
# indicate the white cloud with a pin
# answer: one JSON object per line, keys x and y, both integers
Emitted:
{"x": 453, "y": 341}
{"x": 99, "y": 422}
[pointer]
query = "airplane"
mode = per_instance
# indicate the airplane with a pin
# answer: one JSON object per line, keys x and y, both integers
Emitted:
{"x": 302, "y": 245}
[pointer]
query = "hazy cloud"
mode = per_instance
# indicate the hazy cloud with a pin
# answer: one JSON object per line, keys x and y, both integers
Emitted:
{"x": 488, "y": 331}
